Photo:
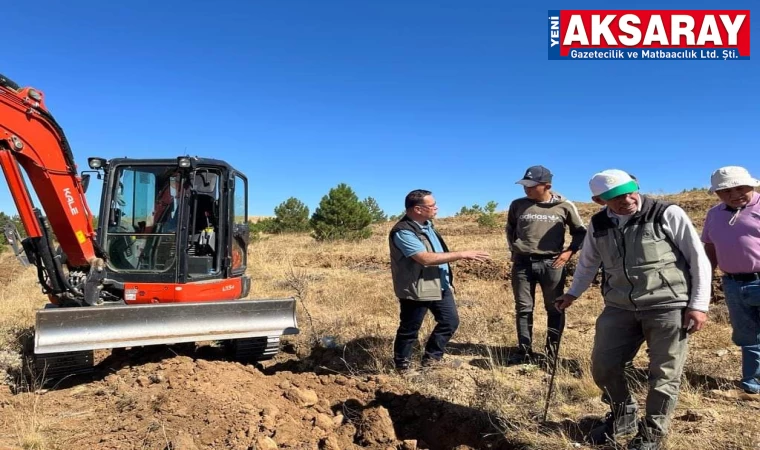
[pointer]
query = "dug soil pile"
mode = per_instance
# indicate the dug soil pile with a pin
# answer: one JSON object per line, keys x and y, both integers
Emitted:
{"x": 164, "y": 398}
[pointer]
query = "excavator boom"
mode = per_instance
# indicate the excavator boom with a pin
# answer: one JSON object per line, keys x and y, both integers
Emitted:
{"x": 31, "y": 138}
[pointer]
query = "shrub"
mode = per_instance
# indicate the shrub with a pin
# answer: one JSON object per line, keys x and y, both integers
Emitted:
{"x": 488, "y": 217}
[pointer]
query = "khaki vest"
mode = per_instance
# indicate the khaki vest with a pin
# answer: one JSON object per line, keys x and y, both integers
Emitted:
{"x": 642, "y": 268}
{"x": 412, "y": 280}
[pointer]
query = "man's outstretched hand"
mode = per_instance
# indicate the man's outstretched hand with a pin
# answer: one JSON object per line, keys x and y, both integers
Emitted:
{"x": 475, "y": 255}
{"x": 564, "y": 301}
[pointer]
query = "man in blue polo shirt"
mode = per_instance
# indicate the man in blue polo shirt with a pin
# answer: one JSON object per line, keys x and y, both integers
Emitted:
{"x": 422, "y": 280}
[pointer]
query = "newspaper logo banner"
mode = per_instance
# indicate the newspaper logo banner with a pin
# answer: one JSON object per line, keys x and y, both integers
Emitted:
{"x": 716, "y": 35}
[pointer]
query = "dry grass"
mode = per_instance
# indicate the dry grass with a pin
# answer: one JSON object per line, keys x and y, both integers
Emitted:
{"x": 29, "y": 421}
{"x": 20, "y": 297}
{"x": 345, "y": 292}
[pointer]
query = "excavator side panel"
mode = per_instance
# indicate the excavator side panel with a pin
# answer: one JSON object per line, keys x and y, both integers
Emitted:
{"x": 204, "y": 291}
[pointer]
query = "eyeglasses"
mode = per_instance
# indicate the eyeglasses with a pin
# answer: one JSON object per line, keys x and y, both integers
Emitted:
{"x": 433, "y": 206}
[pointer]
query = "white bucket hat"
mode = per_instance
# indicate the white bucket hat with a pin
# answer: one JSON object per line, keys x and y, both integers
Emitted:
{"x": 731, "y": 176}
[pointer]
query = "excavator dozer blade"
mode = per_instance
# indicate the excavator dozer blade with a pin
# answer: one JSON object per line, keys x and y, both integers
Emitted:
{"x": 90, "y": 328}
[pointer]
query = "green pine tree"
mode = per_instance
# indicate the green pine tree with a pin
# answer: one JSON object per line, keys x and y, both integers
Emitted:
{"x": 378, "y": 215}
{"x": 340, "y": 215}
{"x": 292, "y": 215}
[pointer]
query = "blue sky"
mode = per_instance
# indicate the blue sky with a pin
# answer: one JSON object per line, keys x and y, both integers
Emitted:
{"x": 386, "y": 96}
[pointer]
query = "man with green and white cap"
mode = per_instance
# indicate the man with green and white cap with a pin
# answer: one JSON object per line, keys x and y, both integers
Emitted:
{"x": 656, "y": 288}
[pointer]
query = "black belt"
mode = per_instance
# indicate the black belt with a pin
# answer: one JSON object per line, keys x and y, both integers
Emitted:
{"x": 532, "y": 258}
{"x": 744, "y": 276}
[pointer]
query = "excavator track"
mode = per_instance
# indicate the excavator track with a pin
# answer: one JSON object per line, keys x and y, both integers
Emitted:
{"x": 42, "y": 369}
{"x": 254, "y": 349}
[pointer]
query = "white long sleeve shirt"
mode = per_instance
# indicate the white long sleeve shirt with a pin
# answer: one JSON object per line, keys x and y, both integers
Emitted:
{"x": 678, "y": 227}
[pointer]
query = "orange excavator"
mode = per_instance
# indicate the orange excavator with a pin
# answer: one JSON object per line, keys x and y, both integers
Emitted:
{"x": 165, "y": 264}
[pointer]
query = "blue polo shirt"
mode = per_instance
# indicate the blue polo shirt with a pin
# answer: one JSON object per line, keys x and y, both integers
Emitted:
{"x": 410, "y": 245}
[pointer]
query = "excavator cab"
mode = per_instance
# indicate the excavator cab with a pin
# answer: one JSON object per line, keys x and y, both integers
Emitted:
{"x": 172, "y": 224}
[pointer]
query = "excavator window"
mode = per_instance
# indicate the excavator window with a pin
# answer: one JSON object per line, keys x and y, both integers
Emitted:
{"x": 240, "y": 230}
{"x": 143, "y": 218}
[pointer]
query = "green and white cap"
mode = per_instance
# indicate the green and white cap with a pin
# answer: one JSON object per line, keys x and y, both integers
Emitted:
{"x": 611, "y": 183}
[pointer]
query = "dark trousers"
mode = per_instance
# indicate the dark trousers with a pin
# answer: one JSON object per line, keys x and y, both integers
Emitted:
{"x": 411, "y": 317}
{"x": 527, "y": 273}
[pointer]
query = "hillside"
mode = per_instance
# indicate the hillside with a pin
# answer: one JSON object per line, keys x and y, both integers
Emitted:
{"x": 333, "y": 386}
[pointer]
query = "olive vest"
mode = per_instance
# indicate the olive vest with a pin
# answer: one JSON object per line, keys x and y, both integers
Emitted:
{"x": 412, "y": 280}
{"x": 642, "y": 267}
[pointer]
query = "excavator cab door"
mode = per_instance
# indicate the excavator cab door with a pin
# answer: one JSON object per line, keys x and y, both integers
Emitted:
{"x": 204, "y": 248}
{"x": 238, "y": 220}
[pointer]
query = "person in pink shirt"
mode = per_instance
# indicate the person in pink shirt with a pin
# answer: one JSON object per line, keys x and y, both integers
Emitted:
{"x": 731, "y": 237}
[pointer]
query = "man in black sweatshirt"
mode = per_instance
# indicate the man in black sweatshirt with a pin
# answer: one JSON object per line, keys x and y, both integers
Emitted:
{"x": 535, "y": 230}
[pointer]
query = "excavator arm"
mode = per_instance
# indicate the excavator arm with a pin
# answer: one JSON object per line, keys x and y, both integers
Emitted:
{"x": 31, "y": 139}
